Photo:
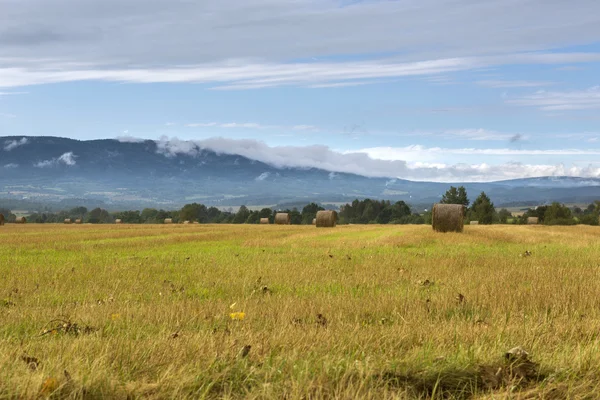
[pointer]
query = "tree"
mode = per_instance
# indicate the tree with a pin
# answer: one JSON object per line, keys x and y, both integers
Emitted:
{"x": 483, "y": 210}
{"x": 504, "y": 215}
{"x": 78, "y": 212}
{"x": 309, "y": 212}
{"x": 558, "y": 214}
{"x": 456, "y": 196}
{"x": 129, "y": 217}
{"x": 295, "y": 217}
{"x": 99, "y": 216}
{"x": 400, "y": 210}
{"x": 242, "y": 215}
{"x": 149, "y": 215}
{"x": 194, "y": 212}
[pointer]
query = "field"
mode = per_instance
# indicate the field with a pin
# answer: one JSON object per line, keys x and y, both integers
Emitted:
{"x": 224, "y": 311}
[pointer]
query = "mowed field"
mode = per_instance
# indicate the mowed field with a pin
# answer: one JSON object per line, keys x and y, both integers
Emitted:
{"x": 241, "y": 311}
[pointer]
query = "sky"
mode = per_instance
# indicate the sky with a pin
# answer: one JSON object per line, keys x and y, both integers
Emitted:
{"x": 439, "y": 90}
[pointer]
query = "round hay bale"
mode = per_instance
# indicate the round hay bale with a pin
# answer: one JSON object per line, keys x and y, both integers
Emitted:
{"x": 474, "y": 223}
{"x": 264, "y": 221}
{"x": 78, "y": 221}
{"x": 68, "y": 221}
{"x": 186, "y": 222}
{"x": 326, "y": 219}
{"x": 283, "y": 219}
{"x": 168, "y": 220}
{"x": 1, "y": 219}
{"x": 448, "y": 217}
{"x": 533, "y": 220}
{"x": 20, "y": 220}
{"x": 118, "y": 221}
{"x": 314, "y": 221}
{"x": 196, "y": 223}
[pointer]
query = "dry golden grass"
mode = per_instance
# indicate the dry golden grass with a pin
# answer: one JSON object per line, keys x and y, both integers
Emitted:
{"x": 216, "y": 311}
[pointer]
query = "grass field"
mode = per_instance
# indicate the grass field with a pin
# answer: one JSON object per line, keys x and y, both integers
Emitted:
{"x": 153, "y": 311}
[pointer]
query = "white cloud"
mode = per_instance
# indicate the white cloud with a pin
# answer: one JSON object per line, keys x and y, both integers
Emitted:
{"x": 481, "y": 134}
{"x": 263, "y": 176}
{"x": 184, "y": 32}
{"x": 561, "y": 101}
{"x": 406, "y": 163}
{"x": 11, "y": 166}
{"x": 45, "y": 164}
{"x": 248, "y": 74}
{"x": 66, "y": 159}
{"x": 129, "y": 139}
{"x": 11, "y": 93}
{"x": 512, "y": 84}
{"x": 391, "y": 153}
{"x": 13, "y": 144}
{"x": 251, "y": 125}
{"x": 570, "y": 68}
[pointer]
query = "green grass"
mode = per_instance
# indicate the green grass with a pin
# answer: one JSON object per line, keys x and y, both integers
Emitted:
{"x": 381, "y": 333}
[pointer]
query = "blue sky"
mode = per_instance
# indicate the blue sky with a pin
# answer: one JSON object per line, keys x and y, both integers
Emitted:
{"x": 457, "y": 89}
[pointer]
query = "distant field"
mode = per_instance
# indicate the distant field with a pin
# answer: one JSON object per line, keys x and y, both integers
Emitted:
{"x": 159, "y": 311}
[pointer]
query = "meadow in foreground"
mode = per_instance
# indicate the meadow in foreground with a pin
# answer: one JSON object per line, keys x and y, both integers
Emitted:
{"x": 214, "y": 311}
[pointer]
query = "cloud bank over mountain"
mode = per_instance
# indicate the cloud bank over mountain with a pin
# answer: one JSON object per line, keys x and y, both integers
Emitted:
{"x": 384, "y": 162}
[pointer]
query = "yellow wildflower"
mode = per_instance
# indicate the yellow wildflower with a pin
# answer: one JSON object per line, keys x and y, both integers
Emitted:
{"x": 238, "y": 316}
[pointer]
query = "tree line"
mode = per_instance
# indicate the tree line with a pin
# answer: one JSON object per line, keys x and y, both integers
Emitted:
{"x": 483, "y": 211}
{"x": 366, "y": 211}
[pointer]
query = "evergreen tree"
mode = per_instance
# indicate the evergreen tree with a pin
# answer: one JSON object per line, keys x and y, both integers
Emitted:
{"x": 483, "y": 210}
{"x": 456, "y": 196}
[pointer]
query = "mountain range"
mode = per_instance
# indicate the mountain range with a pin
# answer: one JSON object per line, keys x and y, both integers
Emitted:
{"x": 135, "y": 174}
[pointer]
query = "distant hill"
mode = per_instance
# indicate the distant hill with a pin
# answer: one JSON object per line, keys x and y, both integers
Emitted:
{"x": 136, "y": 174}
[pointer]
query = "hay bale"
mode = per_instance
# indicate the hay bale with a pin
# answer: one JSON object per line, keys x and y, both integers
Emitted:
{"x": 448, "y": 217}
{"x": 68, "y": 221}
{"x": 78, "y": 221}
{"x": 533, "y": 220}
{"x": 196, "y": 223}
{"x": 168, "y": 220}
{"x": 186, "y": 222}
{"x": 283, "y": 219}
{"x": 118, "y": 221}
{"x": 314, "y": 221}
{"x": 20, "y": 220}
{"x": 264, "y": 221}
{"x": 1, "y": 219}
{"x": 326, "y": 219}
{"x": 474, "y": 223}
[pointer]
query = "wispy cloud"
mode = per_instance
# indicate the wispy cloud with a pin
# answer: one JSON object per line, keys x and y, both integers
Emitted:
{"x": 512, "y": 84}
{"x": 383, "y": 162}
{"x": 251, "y": 125}
{"x": 483, "y": 135}
{"x": 65, "y": 159}
{"x": 13, "y": 144}
{"x": 570, "y": 68}
{"x": 262, "y": 176}
{"x": 11, "y": 166}
{"x": 11, "y": 93}
{"x": 244, "y": 75}
{"x": 561, "y": 101}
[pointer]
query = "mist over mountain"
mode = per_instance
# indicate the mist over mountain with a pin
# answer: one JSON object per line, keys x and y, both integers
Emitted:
{"x": 136, "y": 174}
